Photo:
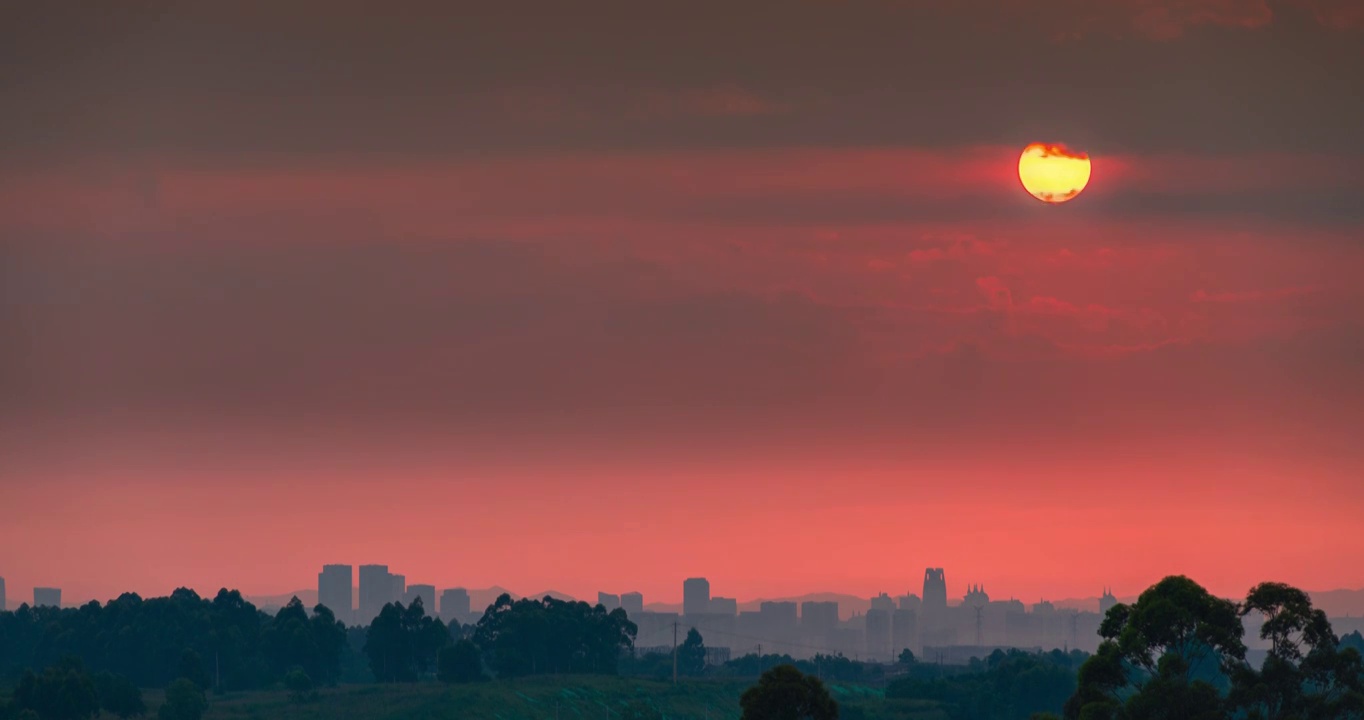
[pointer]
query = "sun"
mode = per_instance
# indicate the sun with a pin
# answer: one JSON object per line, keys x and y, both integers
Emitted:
{"x": 1052, "y": 173}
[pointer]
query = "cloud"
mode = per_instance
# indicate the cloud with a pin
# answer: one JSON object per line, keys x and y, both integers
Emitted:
{"x": 1202, "y": 296}
{"x": 711, "y": 102}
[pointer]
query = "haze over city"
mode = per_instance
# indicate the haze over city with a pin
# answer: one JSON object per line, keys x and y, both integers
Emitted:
{"x": 549, "y": 297}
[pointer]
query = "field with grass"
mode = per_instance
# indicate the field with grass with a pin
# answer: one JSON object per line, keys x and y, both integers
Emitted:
{"x": 540, "y": 698}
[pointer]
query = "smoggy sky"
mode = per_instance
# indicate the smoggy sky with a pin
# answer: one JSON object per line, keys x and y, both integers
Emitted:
{"x": 601, "y": 295}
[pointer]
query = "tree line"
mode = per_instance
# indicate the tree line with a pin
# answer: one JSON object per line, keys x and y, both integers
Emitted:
{"x": 1179, "y": 648}
{"x": 224, "y": 642}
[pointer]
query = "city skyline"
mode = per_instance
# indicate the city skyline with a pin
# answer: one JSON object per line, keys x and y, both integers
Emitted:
{"x": 953, "y": 593}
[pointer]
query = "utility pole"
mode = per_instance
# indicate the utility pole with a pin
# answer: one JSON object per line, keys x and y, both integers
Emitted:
{"x": 674, "y": 652}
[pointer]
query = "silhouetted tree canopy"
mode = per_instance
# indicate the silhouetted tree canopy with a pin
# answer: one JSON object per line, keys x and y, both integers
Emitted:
{"x": 154, "y": 641}
{"x": 1003, "y": 686}
{"x": 61, "y": 692}
{"x": 299, "y": 685}
{"x": 184, "y": 701}
{"x": 691, "y": 655}
{"x": 785, "y": 693}
{"x": 528, "y": 637}
{"x": 1307, "y": 675}
{"x": 118, "y": 696}
{"x": 403, "y": 642}
{"x": 460, "y": 663}
{"x": 1178, "y": 653}
{"x": 1174, "y": 645}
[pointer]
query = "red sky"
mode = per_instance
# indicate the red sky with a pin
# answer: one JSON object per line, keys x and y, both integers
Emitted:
{"x": 791, "y": 328}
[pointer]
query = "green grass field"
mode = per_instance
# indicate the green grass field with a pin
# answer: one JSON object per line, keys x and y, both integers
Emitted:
{"x": 540, "y": 698}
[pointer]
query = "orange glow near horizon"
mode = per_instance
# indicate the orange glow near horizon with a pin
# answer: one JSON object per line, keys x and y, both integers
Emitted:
{"x": 1053, "y": 173}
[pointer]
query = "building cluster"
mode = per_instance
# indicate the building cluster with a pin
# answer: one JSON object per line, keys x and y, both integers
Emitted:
{"x": 930, "y": 625}
{"x": 42, "y": 597}
{"x": 378, "y": 587}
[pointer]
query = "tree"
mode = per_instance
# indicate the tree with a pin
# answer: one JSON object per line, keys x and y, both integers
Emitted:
{"x": 62, "y": 692}
{"x": 528, "y": 637}
{"x": 460, "y": 663}
{"x": 119, "y": 696}
{"x": 1164, "y": 651}
{"x": 785, "y": 693}
{"x": 184, "y": 701}
{"x": 388, "y": 647}
{"x": 191, "y": 668}
{"x": 1307, "y": 675}
{"x": 691, "y": 656}
{"x": 299, "y": 685}
{"x": 329, "y": 643}
{"x": 907, "y": 657}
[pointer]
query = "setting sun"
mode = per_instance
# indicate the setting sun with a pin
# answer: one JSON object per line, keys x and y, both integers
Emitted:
{"x": 1052, "y": 173}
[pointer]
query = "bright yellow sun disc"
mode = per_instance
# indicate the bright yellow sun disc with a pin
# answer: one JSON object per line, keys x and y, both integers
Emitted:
{"x": 1052, "y": 173}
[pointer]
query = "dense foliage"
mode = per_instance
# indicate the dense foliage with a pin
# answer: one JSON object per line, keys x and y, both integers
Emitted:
{"x": 222, "y": 642}
{"x": 529, "y": 637}
{"x": 460, "y": 663}
{"x": 1178, "y": 647}
{"x": 403, "y": 642}
{"x": 1008, "y": 685}
{"x": 785, "y": 693}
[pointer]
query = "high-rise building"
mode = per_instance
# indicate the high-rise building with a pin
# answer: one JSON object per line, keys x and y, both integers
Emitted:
{"x": 376, "y": 591}
{"x": 1106, "y": 602}
{"x": 47, "y": 597}
{"x": 632, "y": 603}
{"x": 608, "y": 601}
{"x": 818, "y": 618}
{"x": 724, "y": 606}
{"x": 935, "y": 589}
{"x": 334, "y": 591}
{"x": 883, "y": 602}
{"x": 3, "y": 607}
{"x": 695, "y": 596}
{"x": 910, "y": 602}
{"x": 934, "y": 627}
{"x": 904, "y": 631}
{"x": 397, "y": 591}
{"x": 454, "y": 605}
{"x": 779, "y": 618}
{"x": 877, "y": 635}
{"x": 427, "y": 593}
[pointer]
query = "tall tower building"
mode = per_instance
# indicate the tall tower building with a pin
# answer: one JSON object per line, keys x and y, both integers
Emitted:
{"x": 334, "y": 591}
{"x": 3, "y": 607}
{"x": 47, "y": 597}
{"x": 610, "y": 601}
{"x": 934, "y": 628}
{"x": 376, "y": 591}
{"x": 1106, "y": 602}
{"x": 397, "y": 588}
{"x": 935, "y": 589}
{"x": 695, "y": 596}
{"x": 632, "y": 603}
{"x": 454, "y": 605}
